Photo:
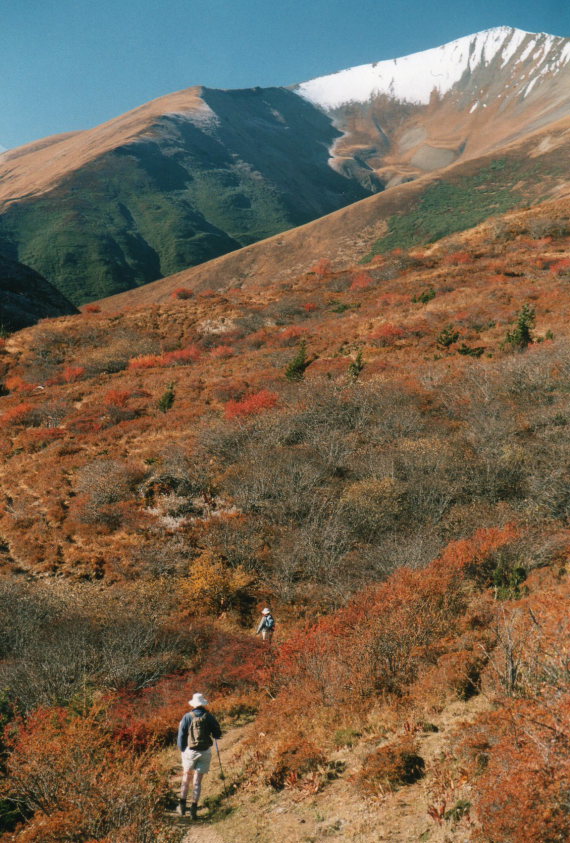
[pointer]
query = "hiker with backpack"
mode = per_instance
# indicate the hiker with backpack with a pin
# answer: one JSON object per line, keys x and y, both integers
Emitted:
{"x": 196, "y": 733}
{"x": 266, "y": 625}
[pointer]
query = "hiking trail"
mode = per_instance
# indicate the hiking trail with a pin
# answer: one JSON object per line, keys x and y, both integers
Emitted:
{"x": 202, "y": 830}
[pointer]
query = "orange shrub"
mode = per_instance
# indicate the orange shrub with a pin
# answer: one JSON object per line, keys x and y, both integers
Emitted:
{"x": 92, "y": 308}
{"x": 147, "y": 361}
{"x": 291, "y": 335}
{"x": 20, "y": 414}
{"x": 117, "y": 397}
{"x": 73, "y": 373}
{"x": 293, "y": 759}
{"x": 560, "y": 266}
{"x": 82, "y": 784}
{"x": 457, "y": 258}
{"x": 322, "y": 267}
{"x": 251, "y": 405}
{"x": 387, "y": 334}
{"x": 361, "y": 281}
{"x": 221, "y": 352}
{"x": 14, "y": 383}
{"x": 181, "y": 356}
{"x": 521, "y": 769}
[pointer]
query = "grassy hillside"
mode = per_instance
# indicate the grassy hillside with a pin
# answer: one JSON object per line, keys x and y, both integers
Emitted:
{"x": 465, "y": 198}
{"x": 378, "y": 453}
{"x": 182, "y": 194}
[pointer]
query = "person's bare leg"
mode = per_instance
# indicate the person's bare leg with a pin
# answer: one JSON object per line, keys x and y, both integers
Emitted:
{"x": 197, "y": 789}
{"x": 185, "y": 787}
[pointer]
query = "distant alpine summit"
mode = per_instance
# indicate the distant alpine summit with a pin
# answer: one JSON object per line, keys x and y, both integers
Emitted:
{"x": 525, "y": 57}
{"x": 196, "y": 174}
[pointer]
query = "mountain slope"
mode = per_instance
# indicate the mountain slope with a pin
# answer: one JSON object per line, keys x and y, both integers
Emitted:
{"x": 410, "y": 214}
{"x": 419, "y": 113}
{"x": 192, "y": 176}
{"x": 170, "y": 186}
{"x": 26, "y": 297}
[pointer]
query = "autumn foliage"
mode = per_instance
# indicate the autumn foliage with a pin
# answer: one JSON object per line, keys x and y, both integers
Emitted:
{"x": 77, "y": 783}
{"x": 251, "y": 405}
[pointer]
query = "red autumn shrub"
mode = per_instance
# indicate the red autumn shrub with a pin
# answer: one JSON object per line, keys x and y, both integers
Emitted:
{"x": 379, "y": 641}
{"x": 82, "y": 784}
{"x": 457, "y": 258}
{"x": 92, "y": 308}
{"x": 178, "y": 357}
{"x": 15, "y": 383}
{"x": 258, "y": 338}
{"x": 521, "y": 768}
{"x": 91, "y": 421}
{"x": 251, "y": 405}
{"x": 182, "y": 293}
{"x": 221, "y": 352}
{"x": 560, "y": 266}
{"x": 231, "y": 665}
{"x": 361, "y": 281}
{"x": 117, "y": 397}
{"x": 147, "y": 361}
{"x": 71, "y": 374}
{"x": 207, "y": 294}
{"x": 41, "y": 436}
{"x": 291, "y": 335}
{"x": 20, "y": 414}
{"x": 322, "y": 267}
{"x": 181, "y": 356}
{"x": 310, "y": 306}
{"x": 387, "y": 334}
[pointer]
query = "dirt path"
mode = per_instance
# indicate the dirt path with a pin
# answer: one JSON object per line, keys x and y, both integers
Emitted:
{"x": 213, "y": 786}
{"x": 337, "y": 812}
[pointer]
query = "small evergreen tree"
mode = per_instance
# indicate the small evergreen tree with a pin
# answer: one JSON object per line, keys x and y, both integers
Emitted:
{"x": 447, "y": 336}
{"x": 295, "y": 371}
{"x": 521, "y": 335}
{"x": 166, "y": 400}
{"x": 356, "y": 367}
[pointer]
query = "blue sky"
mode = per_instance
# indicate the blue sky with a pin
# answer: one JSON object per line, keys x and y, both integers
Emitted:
{"x": 70, "y": 64}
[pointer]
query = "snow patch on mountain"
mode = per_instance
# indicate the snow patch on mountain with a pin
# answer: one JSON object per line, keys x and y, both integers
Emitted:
{"x": 414, "y": 78}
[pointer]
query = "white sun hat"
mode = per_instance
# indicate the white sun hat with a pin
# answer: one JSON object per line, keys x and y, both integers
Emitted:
{"x": 197, "y": 700}
{"x": 265, "y": 612}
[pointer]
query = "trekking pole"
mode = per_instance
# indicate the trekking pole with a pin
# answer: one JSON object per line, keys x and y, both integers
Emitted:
{"x": 223, "y": 778}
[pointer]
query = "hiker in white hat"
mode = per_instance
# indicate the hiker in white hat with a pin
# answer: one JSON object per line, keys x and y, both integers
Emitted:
{"x": 266, "y": 625}
{"x": 196, "y": 733}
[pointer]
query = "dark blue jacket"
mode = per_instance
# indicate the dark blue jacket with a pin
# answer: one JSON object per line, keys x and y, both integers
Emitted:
{"x": 213, "y": 725}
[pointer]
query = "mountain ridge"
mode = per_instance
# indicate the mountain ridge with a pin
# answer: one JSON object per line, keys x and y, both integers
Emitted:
{"x": 194, "y": 175}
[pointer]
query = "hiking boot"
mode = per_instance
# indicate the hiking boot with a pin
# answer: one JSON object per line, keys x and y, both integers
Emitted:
{"x": 194, "y": 810}
{"x": 181, "y": 807}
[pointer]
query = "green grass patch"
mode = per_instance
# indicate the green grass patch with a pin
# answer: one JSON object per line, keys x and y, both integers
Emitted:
{"x": 449, "y": 206}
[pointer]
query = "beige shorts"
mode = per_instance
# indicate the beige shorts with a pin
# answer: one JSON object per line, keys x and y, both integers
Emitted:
{"x": 194, "y": 760}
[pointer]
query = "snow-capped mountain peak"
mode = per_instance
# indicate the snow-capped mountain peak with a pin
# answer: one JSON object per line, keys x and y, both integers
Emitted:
{"x": 415, "y": 77}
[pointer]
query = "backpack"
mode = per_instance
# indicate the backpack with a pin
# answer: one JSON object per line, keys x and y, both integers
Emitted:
{"x": 199, "y": 732}
{"x": 269, "y": 622}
